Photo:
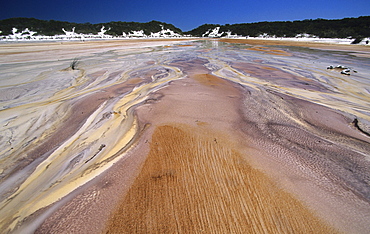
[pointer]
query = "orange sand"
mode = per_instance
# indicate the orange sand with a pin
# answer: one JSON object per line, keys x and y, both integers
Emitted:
{"x": 193, "y": 183}
{"x": 270, "y": 51}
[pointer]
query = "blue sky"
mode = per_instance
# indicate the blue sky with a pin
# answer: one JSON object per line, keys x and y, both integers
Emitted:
{"x": 185, "y": 15}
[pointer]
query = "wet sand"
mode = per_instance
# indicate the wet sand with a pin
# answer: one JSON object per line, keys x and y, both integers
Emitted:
{"x": 192, "y": 183}
{"x": 203, "y": 138}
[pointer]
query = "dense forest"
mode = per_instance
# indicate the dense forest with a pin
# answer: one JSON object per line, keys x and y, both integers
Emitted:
{"x": 341, "y": 28}
{"x": 53, "y": 27}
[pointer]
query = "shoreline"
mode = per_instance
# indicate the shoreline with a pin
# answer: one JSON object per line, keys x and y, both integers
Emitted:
{"x": 253, "y": 41}
{"x": 58, "y": 42}
{"x": 359, "y": 50}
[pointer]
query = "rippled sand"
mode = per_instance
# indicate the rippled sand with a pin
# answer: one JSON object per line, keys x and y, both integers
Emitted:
{"x": 177, "y": 136}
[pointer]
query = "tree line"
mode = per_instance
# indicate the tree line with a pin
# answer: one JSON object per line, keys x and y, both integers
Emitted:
{"x": 341, "y": 28}
{"x": 53, "y": 27}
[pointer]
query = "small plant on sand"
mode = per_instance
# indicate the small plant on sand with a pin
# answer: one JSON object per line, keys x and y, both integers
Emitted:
{"x": 74, "y": 64}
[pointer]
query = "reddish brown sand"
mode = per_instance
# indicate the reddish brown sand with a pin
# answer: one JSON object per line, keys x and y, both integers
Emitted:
{"x": 193, "y": 183}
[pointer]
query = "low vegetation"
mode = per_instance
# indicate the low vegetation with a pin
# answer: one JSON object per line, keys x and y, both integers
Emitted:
{"x": 74, "y": 64}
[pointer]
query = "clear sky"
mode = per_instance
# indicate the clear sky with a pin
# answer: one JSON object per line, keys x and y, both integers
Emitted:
{"x": 185, "y": 15}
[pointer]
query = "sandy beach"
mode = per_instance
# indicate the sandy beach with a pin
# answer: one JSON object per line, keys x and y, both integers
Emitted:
{"x": 184, "y": 136}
